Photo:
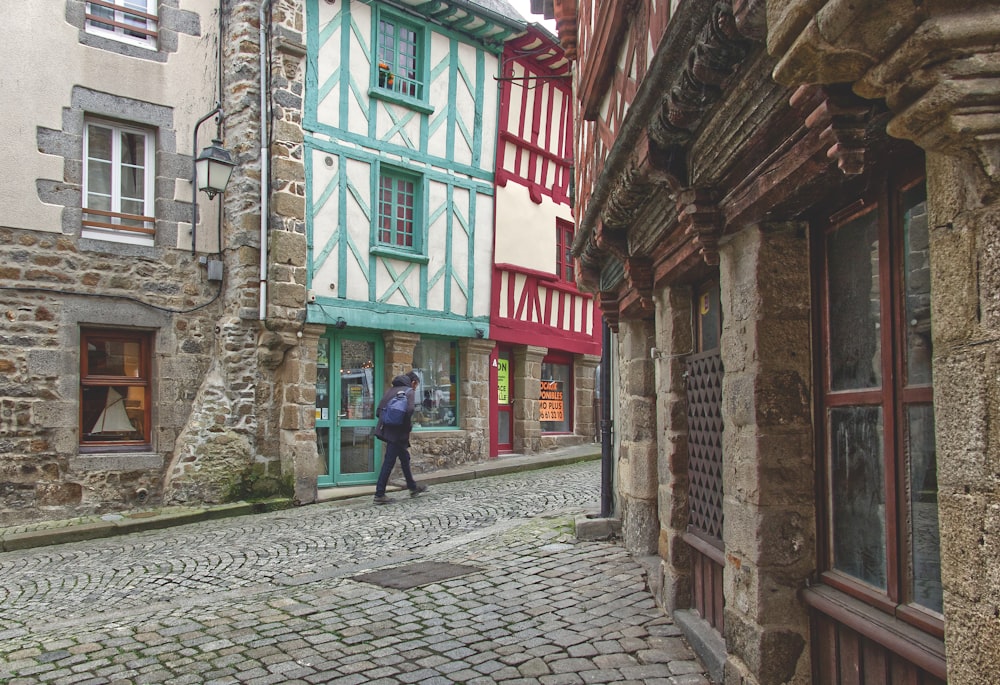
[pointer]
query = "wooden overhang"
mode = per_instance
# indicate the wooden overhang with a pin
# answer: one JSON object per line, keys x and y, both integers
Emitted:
{"x": 711, "y": 144}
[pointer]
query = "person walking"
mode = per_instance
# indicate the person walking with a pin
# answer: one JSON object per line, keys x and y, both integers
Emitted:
{"x": 395, "y": 416}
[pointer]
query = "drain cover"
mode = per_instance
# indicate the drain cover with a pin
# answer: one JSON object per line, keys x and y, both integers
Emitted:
{"x": 414, "y": 575}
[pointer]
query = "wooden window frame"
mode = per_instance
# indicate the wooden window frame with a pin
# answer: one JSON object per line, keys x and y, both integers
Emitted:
{"x": 143, "y": 36}
{"x": 103, "y": 224}
{"x": 569, "y": 393}
{"x": 565, "y": 268}
{"x": 884, "y": 196}
{"x": 387, "y": 238}
{"x": 389, "y": 79}
{"x": 89, "y": 379}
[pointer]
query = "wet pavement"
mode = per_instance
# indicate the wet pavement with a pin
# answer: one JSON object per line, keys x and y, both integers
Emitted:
{"x": 477, "y": 581}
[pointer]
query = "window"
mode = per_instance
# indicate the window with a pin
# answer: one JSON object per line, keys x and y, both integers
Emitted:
{"x": 397, "y": 207}
{"x": 399, "y": 68}
{"x": 435, "y": 362}
{"x": 556, "y": 415}
{"x": 564, "y": 251}
{"x": 882, "y": 539}
{"x": 115, "y": 388}
{"x": 129, "y": 21}
{"x": 118, "y": 183}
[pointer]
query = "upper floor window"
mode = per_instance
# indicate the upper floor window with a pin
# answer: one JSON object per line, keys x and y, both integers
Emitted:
{"x": 118, "y": 183}
{"x": 397, "y": 210}
{"x": 564, "y": 251}
{"x": 115, "y": 368}
{"x": 399, "y": 69}
{"x": 130, "y": 21}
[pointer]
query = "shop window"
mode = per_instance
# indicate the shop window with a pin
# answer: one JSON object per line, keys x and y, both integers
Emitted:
{"x": 118, "y": 176}
{"x": 556, "y": 414}
{"x": 435, "y": 362}
{"x": 881, "y": 499}
{"x": 128, "y": 21}
{"x": 115, "y": 388}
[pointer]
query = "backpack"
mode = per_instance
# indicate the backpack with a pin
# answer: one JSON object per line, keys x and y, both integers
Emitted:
{"x": 394, "y": 413}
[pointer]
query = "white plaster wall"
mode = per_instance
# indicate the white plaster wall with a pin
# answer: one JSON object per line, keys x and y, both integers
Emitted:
{"x": 525, "y": 231}
{"x": 43, "y": 60}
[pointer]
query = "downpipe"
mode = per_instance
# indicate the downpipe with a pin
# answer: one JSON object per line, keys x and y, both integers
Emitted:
{"x": 607, "y": 495}
{"x": 265, "y": 180}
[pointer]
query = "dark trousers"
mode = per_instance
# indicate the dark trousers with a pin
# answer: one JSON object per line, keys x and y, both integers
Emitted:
{"x": 394, "y": 451}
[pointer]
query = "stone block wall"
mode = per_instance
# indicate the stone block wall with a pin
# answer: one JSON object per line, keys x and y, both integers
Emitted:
{"x": 768, "y": 473}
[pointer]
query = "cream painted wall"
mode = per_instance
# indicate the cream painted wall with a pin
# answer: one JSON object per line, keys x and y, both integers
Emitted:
{"x": 525, "y": 231}
{"x": 43, "y": 60}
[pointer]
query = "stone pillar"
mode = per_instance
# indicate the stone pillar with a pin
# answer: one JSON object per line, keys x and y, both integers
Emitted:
{"x": 674, "y": 340}
{"x": 965, "y": 327}
{"x": 768, "y": 470}
{"x": 527, "y": 398}
{"x": 297, "y": 425}
{"x": 474, "y": 395}
{"x": 585, "y": 418}
{"x": 398, "y": 360}
{"x": 636, "y": 470}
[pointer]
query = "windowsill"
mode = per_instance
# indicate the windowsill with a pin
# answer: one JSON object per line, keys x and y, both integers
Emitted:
{"x": 106, "y": 460}
{"x": 385, "y": 251}
{"x": 402, "y": 100}
{"x": 913, "y": 644}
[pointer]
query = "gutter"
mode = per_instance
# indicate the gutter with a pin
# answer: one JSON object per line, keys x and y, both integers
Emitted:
{"x": 265, "y": 179}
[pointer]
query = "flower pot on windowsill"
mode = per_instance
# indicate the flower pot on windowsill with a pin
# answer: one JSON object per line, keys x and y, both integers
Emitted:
{"x": 385, "y": 77}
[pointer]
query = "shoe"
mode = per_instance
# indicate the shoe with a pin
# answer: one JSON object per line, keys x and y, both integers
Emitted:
{"x": 417, "y": 490}
{"x": 382, "y": 499}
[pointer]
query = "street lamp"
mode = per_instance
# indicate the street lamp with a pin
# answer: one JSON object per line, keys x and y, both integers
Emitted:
{"x": 213, "y": 168}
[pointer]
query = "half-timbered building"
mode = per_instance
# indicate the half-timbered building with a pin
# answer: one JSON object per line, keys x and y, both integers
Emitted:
{"x": 400, "y": 125}
{"x": 788, "y": 212}
{"x": 547, "y": 331}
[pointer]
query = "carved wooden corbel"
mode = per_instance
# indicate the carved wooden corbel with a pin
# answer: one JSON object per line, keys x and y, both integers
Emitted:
{"x": 842, "y": 118}
{"x": 639, "y": 275}
{"x": 699, "y": 216}
{"x": 609, "y": 308}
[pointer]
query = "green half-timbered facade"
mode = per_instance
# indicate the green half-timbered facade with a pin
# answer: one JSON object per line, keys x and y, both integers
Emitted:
{"x": 400, "y": 121}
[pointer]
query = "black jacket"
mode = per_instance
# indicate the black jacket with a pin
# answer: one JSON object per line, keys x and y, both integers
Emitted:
{"x": 397, "y": 434}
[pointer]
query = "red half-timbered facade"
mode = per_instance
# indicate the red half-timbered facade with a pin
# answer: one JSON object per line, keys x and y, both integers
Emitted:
{"x": 537, "y": 314}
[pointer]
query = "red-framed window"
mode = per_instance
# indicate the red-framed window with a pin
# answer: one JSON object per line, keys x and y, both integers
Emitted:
{"x": 879, "y": 510}
{"x": 556, "y": 415}
{"x": 565, "y": 270}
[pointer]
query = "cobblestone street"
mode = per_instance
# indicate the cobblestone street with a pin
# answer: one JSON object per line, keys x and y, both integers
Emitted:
{"x": 477, "y": 581}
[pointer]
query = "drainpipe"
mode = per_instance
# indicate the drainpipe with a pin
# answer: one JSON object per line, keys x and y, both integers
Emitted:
{"x": 607, "y": 499}
{"x": 265, "y": 184}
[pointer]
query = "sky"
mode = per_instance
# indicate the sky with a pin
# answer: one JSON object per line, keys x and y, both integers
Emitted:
{"x": 524, "y": 7}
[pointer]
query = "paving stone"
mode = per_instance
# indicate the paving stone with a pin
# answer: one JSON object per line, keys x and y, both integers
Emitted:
{"x": 234, "y": 602}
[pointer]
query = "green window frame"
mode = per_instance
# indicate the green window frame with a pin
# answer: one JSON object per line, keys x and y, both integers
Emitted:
{"x": 399, "y": 58}
{"x": 398, "y": 206}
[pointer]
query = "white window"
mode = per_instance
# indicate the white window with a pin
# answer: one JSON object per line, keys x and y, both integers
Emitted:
{"x": 118, "y": 183}
{"x": 129, "y": 21}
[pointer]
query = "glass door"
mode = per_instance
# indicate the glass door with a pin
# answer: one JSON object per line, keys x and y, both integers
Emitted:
{"x": 345, "y": 408}
{"x": 505, "y": 401}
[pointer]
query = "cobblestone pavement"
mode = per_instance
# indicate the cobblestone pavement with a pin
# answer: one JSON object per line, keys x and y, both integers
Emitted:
{"x": 504, "y": 593}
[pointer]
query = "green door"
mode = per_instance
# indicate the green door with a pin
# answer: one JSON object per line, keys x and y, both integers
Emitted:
{"x": 348, "y": 389}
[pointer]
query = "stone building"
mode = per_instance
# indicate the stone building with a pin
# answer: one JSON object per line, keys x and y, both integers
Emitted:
{"x": 162, "y": 346}
{"x": 113, "y": 311}
{"x": 788, "y": 209}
